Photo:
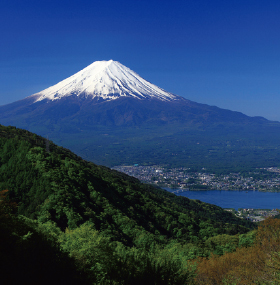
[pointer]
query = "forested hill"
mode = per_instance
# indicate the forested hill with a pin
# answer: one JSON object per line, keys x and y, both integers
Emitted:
{"x": 51, "y": 183}
{"x": 53, "y": 186}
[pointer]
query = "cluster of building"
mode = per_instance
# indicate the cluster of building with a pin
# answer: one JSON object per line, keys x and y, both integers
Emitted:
{"x": 182, "y": 178}
{"x": 235, "y": 181}
{"x": 254, "y": 215}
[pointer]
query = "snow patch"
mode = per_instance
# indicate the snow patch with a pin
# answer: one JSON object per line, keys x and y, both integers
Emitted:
{"x": 107, "y": 80}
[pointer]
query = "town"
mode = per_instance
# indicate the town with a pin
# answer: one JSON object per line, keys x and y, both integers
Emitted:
{"x": 181, "y": 179}
{"x": 264, "y": 179}
{"x": 254, "y": 215}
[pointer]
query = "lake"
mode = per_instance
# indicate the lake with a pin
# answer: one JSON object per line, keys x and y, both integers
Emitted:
{"x": 235, "y": 199}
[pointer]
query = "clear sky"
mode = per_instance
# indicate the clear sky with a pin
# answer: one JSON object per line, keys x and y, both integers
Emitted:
{"x": 223, "y": 53}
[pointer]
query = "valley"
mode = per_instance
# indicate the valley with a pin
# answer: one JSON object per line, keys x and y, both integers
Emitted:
{"x": 264, "y": 179}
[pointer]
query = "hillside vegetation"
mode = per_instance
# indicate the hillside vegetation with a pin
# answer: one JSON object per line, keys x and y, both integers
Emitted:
{"x": 108, "y": 226}
{"x": 255, "y": 264}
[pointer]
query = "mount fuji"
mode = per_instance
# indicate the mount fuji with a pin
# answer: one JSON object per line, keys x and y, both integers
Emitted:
{"x": 109, "y": 93}
{"x": 109, "y": 114}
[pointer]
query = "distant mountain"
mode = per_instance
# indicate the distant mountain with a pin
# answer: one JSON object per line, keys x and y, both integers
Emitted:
{"x": 106, "y": 110}
{"x": 108, "y": 93}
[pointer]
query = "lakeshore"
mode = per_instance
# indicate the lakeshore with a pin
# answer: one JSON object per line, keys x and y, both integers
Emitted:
{"x": 235, "y": 199}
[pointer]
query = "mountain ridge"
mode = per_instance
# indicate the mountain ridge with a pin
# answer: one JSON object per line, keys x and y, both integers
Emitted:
{"x": 54, "y": 171}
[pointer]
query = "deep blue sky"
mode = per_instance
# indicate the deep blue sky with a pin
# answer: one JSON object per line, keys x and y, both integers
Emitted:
{"x": 223, "y": 53}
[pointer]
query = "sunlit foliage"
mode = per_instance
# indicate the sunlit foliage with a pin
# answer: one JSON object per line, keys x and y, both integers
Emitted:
{"x": 258, "y": 264}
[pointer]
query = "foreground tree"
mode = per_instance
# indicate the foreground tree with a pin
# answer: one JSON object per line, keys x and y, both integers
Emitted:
{"x": 29, "y": 257}
{"x": 259, "y": 264}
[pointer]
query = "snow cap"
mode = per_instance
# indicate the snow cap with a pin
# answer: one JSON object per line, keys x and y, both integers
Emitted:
{"x": 108, "y": 80}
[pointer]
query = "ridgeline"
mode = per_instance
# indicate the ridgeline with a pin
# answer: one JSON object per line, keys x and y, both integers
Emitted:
{"x": 112, "y": 227}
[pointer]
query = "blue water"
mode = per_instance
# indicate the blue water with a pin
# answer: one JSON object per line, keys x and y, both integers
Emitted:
{"x": 235, "y": 199}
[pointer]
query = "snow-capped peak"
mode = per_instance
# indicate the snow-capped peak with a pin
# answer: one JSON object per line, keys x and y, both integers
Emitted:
{"x": 107, "y": 80}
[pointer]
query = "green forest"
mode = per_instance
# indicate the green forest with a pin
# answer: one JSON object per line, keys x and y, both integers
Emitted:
{"x": 235, "y": 149}
{"x": 67, "y": 220}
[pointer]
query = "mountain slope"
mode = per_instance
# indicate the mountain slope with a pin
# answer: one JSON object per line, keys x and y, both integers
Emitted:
{"x": 60, "y": 186}
{"x": 106, "y": 110}
{"x": 116, "y": 229}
